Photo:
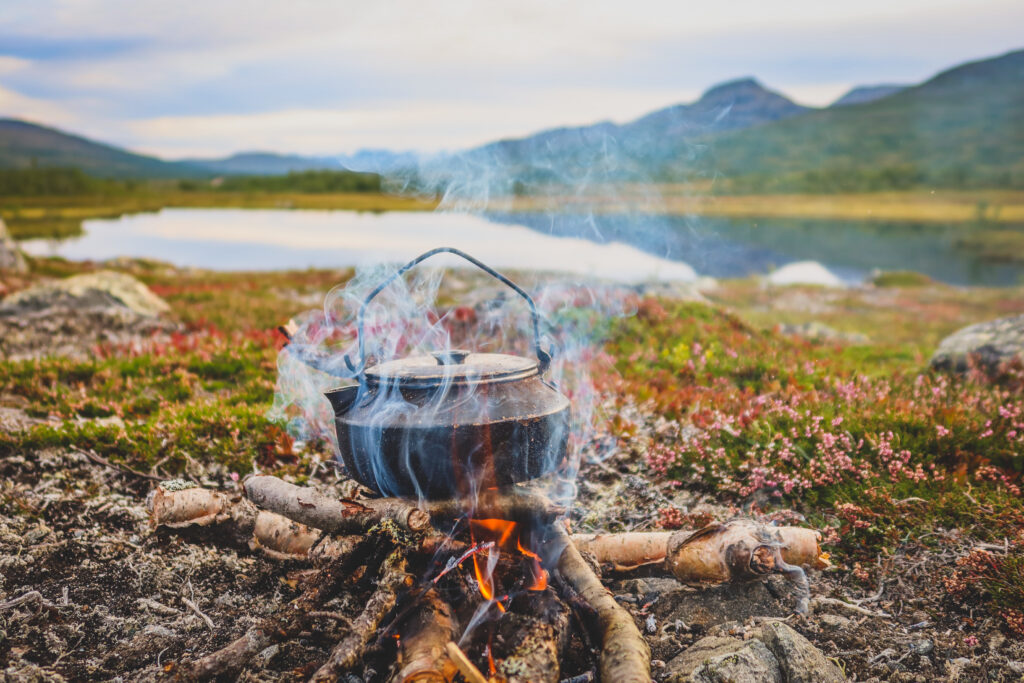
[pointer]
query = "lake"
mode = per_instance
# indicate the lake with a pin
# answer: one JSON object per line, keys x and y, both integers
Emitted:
{"x": 632, "y": 248}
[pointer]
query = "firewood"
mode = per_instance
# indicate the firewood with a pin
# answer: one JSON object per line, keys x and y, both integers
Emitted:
{"x": 422, "y": 644}
{"x": 536, "y": 658}
{"x": 350, "y": 650}
{"x": 625, "y": 655}
{"x": 516, "y": 505}
{"x": 306, "y": 506}
{"x": 466, "y": 667}
{"x": 177, "y": 504}
{"x": 706, "y": 555}
{"x": 740, "y": 549}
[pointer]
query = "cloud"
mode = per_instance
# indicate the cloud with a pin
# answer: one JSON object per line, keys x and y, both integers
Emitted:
{"x": 162, "y": 76}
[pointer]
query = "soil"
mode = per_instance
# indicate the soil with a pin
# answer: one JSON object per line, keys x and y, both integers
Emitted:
{"x": 115, "y": 591}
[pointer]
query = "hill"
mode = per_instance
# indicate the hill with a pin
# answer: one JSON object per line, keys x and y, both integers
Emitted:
{"x": 644, "y": 149}
{"x": 24, "y": 145}
{"x": 962, "y": 128}
{"x": 867, "y": 93}
{"x": 264, "y": 163}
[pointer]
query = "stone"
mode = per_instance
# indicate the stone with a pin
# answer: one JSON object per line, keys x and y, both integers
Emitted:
{"x": 752, "y": 663}
{"x": 804, "y": 273}
{"x": 815, "y": 331}
{"x": 102, "y": 289}
{"x": 833, "y": 622}
{"x": 682, "y": 665}
{"x": 11, "y": 258}
{"x": 991, "y": 343}
{"x": 800, "y": 661}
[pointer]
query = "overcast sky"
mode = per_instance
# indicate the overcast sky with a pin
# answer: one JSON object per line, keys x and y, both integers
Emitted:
{"x": 330, "y": 76}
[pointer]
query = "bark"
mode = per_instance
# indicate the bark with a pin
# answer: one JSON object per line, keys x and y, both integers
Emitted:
{"x": 536, "y": 657}
{"x": 741, "y": 549}
{"x": 306, "y": 506}
{"x": 424, "y": 635}
{"x": 709, "y": 554}
{"x": 516, "y": 505}
{"x": 350, "y": 650}
{"x": 625, "y": 655}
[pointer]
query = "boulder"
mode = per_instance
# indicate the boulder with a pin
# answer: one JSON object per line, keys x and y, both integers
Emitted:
{"x": 820, "y": 332}
{"x": 804, "y": 273}
{"x": 772, "y": 653}
{"x": 990, "y": 343}
{"x": 102, "y": 289}
{"x": 11, "y": 259}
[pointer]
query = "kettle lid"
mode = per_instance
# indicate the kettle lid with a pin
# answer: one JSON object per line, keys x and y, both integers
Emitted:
{"x": 454, "y": 366}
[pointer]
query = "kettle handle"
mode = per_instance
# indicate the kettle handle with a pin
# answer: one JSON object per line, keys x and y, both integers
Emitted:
{"x": 543, "y": 357}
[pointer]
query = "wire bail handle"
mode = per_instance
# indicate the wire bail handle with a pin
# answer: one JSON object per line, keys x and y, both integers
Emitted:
{"x": 543, "y": 357}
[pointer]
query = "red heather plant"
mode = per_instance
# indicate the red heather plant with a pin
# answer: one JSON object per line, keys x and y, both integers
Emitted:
{"x": 1000, "y": 577}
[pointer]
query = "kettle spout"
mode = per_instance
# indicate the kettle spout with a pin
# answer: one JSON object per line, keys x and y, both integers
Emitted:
{"x": 342, "y": 398}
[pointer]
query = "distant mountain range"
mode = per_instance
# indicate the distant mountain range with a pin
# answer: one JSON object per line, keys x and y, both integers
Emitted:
{"x": 965, "y": 122}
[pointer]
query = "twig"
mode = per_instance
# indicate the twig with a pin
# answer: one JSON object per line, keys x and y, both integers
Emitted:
{"x": 195, "y": 608}
{"x": 466, "y": 667}
{"x": 123, "y": 469}
{"x": 31, "y": 596}
{"x": 350, "y": 650}
{"x": 851, "y": 607}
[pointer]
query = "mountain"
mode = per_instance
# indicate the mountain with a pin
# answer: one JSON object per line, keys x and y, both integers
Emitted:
{"x": 378, "y": 160}
{"x": 867, "y": 93}
{"x": 638, "y": 150}
{"x": 264, "y": 163}
{"x": 963, "y": 127}
{"x": 24, "y": 144}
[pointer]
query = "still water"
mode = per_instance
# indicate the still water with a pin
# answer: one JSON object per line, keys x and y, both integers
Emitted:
{"x": 632, "y": 248}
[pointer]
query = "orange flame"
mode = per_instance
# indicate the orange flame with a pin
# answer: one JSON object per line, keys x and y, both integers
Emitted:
{"x": 503, "y": 533}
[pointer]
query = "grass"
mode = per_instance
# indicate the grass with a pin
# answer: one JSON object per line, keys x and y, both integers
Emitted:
{"x": 863, "y": 440}
{"x": 34, "y": 217}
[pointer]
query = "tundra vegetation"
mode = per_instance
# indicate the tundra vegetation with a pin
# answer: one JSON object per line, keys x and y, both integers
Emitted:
{"x": 890, "y": 459}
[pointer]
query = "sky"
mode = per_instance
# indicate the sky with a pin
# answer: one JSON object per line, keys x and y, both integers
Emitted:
{"x": 325, "y": 77}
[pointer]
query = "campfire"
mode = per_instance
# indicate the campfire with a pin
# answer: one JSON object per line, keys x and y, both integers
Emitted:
{"x": 456, "y": 536}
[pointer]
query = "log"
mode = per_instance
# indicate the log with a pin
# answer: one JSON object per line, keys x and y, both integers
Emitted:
{"x": 350, "y": 650}
{"x": 741, "y": 549}
{"x": 704, "y": 555}
{"x": 305, "y": 505}
{"x": 537, "y": 656}
{"x": 424, "y": 635}
{"x": 625, "y": 655}
{"x": 515, "y": 505}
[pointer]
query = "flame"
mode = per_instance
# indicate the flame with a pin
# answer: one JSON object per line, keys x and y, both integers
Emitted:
{"x": 505, "y": 536}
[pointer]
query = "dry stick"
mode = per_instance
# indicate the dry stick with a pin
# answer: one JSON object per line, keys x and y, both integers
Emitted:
{"x": 31, "y": 596}
{"x": 306, "y": 506}
{"x": 349, "y": 651}
{"x": 422, "y": 645}
{"x": 514, "y": 505}
{"x": 625, "y": 655}
{"x": 536, "y": 658}
{"x": 123, "y": 469}
{"x": 466, "y": 667}
{"x": 287, "y": 622}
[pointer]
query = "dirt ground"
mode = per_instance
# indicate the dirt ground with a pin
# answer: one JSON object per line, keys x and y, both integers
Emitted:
{"x": 114, "y": 592}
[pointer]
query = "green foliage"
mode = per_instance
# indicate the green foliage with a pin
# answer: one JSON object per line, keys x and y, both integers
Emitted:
{"x": 305, "y": 181}
{"x": 53, "y": 181}
{"x": 901, "y": 278}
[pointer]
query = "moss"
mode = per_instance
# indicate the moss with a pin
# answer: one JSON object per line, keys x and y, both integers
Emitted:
{"x": 901, "y": 278}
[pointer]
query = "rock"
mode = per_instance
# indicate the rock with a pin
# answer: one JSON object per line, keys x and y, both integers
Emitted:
{"x": 833, "y": 622}
{"x": 102, "y": 289}
{"x": 74, "y": 317}
{"x": 991, "y": 343}
{"x": 816, "y": 331}
{"x": 774, "y": 652}
{"x": 800, "y": 661}
{"x": 804, "y": 273}
{"x": 752, "y": 663}
{"x": 11, "y": 259}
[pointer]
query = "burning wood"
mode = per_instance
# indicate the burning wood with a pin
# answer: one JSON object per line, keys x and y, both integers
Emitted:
{"x": 424, "y": 635}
